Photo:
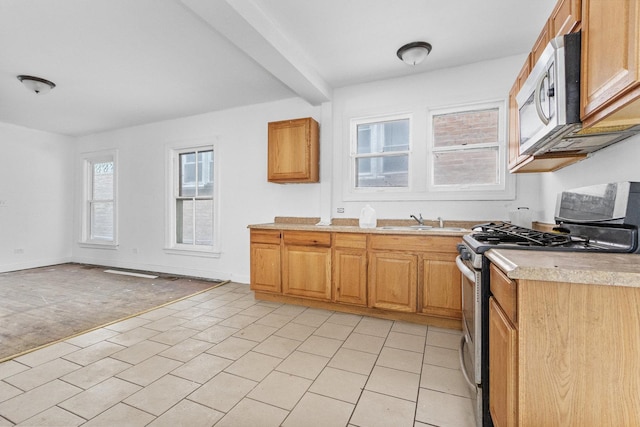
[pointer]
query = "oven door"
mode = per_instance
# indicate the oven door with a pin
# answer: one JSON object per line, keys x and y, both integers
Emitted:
{"x": 470, "y": 354}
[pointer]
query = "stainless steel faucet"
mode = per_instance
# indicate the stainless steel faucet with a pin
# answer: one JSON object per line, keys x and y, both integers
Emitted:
{"x": 419, "y": 219}
{"x": 441, "y": 222}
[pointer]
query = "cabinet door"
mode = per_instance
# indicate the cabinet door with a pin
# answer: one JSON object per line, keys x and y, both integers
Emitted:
{"x": 610, "y": 57}
{"x": 441, "y": 286}
{"x": 293, "y": 151}
{"x": 503, "y": 364}
{"x": 307, "y": 271}
{"x": 349, "y": 265}
{"x": 265, "y": 267}
{"x": 393, "y": 281}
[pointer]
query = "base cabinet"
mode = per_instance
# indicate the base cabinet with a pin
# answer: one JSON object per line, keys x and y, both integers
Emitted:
{"x": 306, "y": 265}
{"x": 503, "y": 360}
{"x": 441, "y": 291}
{"x": 349, "y": 263}
{"x": 265, "y": 261}
{"x": 393, "y": 281}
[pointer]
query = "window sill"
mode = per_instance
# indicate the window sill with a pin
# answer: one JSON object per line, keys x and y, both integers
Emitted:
{"x": 95, "y": 245}
{"x": 204, "y": 253}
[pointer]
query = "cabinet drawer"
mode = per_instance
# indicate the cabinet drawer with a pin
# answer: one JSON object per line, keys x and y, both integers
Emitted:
{"x": 414, "y": 243}
{"x": 265, "y": 236}
{"x": 307, "y": 238}
{"x": 350, "y": 240}
{"x": 504, "y": 291}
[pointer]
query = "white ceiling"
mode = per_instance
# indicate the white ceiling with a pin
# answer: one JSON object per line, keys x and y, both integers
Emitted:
{"x": 119, "y": 63}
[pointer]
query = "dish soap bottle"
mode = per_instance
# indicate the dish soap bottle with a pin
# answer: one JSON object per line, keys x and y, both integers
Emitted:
{"x": 368, "y": 217}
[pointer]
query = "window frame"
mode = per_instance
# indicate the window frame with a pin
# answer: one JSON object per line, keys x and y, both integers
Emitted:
{"x": 88, "y": 162}
{"x": 354, "y": 156}
{"x": 173, "y": 181}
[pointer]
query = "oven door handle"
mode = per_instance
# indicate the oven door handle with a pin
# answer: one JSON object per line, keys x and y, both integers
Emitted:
{"x": 468, "y": 273}
{"x": 463, "y": 367}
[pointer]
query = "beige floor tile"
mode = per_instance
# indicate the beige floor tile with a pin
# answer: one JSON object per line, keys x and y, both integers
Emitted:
{"x": 202, "y": 368}
{"x": 444, "y": 380}
{"x": 161, "y": 395}
{"x": 47, "y": 354}
{"x": 99, "y": 398}
{"x": 443, "y": 339}
{"x": 254, "y": 366}
{"x": 34, "y": 401}
{"x": 201, "y": 323}
{"x": 392, "y": 382}
{"x": 251, "y": 413}
{"x": 91, "y": 338}
{"x": 334, "y": 330}
{"x": 376, "y": 327}
{"x": 127, "y": 325}
{"x": 289, "y": 310}
{"x": 345, "y": 319}
{"x": 183, "y": 305}
{"x": 280, "y": 389}
{"x": 402, "y": 360}
{"x": 186, "y": 350}
{"x": 339, "y": 384}
{"x": 121, "y": 415}
{"x": 404, "y": 341}
{"x": 321, "y": 346}
{"x": 257, "y": 310}
{"x": 355, "y": 361}
{"x": 304, "y": 365}
{"x": 150, "y": 370}
{"x": 440, "y": 356}
{"x": 132, "y": 337}
{"x": 366, "y": 343}
{"x": 444, "y": 410}
{"x": 166, "y": 323}
{"x": 139, "y": 352}
{"x": 42, "y": 374}
{"x": 238, "y": 321}
{"x": 93, "y": 353}
{"x": 187, "y": 414}
{"x": 232, "y": 348}
{"x": 277, "y": 346}
{"x": 256, "y": 333}
{"x": 191, "y": 312}
{"x": 295, "y": 331}
{"x": 223, "y": 391}
{"x": 311, "y": 319}
{"x": 174, "y": 335}
{"x": 379, "y": 410}
{"x": 95, "y": 373}
{"x": 7, "y": 391}
{"x": 215, "y": 334}
{"x": 11, "y": 367}
{"x": 446, "y": 330}
{"x": 275, "y": 320}
{"x": 224, "y": 312}
{"x": 211, "y": 304}
{"x": 319, "y": 411}
{"x": 158, "y": 313}
{"x": 53, "y": 417}
{"x": 241, "y": 303}
{"x": 409, "y": 328}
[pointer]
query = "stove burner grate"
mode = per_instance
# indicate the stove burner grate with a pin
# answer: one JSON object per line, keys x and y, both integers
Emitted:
{"x": 504, "y": 232}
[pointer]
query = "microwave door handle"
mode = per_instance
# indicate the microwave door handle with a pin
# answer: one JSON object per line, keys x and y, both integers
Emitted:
{"x": 536, "y": 97}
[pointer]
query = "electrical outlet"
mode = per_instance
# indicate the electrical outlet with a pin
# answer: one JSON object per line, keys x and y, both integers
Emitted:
{"x": 340, "y": 210}
{"x": 134, "y": 250}
{"x": 18, "y": 251}
{"x": 3, "y": 203}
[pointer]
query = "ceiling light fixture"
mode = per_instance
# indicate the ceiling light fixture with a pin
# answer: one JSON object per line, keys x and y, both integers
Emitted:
{"x": 36, "y": 84}
{"x": 414, "y": 53}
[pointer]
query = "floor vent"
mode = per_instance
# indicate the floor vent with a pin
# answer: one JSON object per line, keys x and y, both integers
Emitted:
{"x": 131, "y": 273}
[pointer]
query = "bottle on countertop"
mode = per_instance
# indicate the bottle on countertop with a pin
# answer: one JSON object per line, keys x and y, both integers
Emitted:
{"x": 368, "y": 217}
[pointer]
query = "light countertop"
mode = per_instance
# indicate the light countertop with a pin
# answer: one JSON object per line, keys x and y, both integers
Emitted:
{"x": 610, "y": 269}
{"x": 355, "y": 229}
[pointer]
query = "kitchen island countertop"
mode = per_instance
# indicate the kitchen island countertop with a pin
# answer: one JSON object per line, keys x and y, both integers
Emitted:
{"x": 611, "y": 269}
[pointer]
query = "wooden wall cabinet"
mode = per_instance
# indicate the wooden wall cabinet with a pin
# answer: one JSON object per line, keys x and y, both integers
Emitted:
{"x": 306, "y": 264}
{"x": 265, "y": 260}
{"x": 349, "y": 263}
{"x": 293, "y": 151}
{"x": 610, "y": 88}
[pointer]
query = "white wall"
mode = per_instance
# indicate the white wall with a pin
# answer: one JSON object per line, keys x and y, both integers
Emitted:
{"x": 479, "y": 82}
{"x": 35, "y": 198}
{"x": 618, "y": 162}
{"x": 245, "y": 195}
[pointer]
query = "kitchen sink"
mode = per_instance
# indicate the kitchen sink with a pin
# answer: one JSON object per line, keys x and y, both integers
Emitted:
{"x": 420, "y": 227}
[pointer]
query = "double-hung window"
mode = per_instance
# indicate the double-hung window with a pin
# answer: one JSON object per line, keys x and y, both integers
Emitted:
{"x": 193, "y": 199}
{"x": 380, "y": 152}
{"x": 99, "y": 211}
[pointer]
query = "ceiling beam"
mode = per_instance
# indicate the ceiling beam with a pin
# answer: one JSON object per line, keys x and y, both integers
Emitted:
{"x": 251, "y": 29}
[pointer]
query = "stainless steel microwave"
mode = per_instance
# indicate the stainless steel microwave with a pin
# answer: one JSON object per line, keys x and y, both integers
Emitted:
{"x": 549, "y": 100}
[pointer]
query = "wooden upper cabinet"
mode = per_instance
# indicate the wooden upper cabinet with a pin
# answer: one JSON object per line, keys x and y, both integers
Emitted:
{"x": 610, "y": 88}
{"x": 565, "y": 18}
{"x": 293, "y": 152}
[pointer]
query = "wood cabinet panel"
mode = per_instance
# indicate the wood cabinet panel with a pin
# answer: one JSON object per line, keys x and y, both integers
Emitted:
{"x": 503, "y": 359}
{"x": 441, "y": 290}
{"x": 504, "y": 291}
{"x": 393, "y": 281}
{"x": 610, "y": 59}
{"x": 307, "y": 271}
{"x": 293, "y": 151}
{"x": 350, "y": 275}
{"x": 565, "y": 17}
{"x": 307, "y": 238}
{"x": 265, "y": 267}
